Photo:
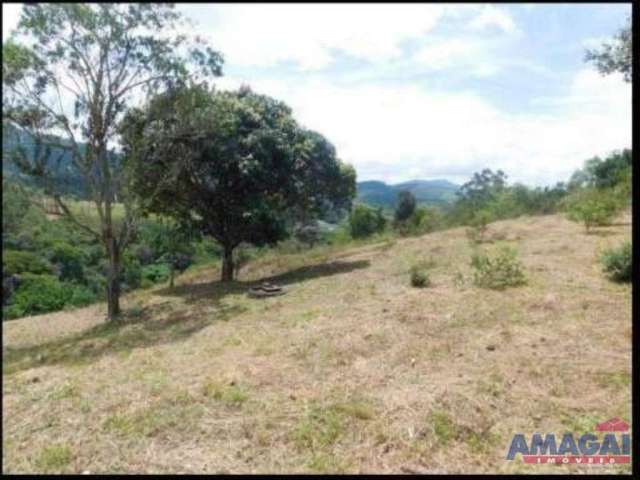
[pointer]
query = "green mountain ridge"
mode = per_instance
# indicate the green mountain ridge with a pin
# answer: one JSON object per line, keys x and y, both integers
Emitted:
{"x": 380, "y": 194}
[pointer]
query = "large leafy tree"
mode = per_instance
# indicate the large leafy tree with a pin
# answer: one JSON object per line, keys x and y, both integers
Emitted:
{"x": 614, "y": 56}
{"x": 232, "y": 165}
{"x": 68, "y": 77}
{"x": 482, "y": 187}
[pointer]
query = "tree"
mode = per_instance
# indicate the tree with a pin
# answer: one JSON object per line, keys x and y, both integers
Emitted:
{"x": 365, "y": 221}
{"x": 74, "y": 75}
{"x": 232, "y": 165}
{"x": 600, "y": 173}
{"x": 614, "y": 56}
{"x": 483, "y": 188}
{"x": 405, "y": 207}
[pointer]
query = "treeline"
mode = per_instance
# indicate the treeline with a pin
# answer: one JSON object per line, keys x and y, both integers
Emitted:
{"x": 593, "y": 195}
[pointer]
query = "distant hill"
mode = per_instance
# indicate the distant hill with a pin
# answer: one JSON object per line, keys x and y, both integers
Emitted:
{"x": 375, "y": 193}
{"x": 69, "y": 179}
{"x": 379, "y": 194}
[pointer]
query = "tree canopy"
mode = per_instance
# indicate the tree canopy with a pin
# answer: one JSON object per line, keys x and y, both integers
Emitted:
{"x": 231, "y": 164}
{"x": 68, "y": 77}
{"x": 615, "y": 56}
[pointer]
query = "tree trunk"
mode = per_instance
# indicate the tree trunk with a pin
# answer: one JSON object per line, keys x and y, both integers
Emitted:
{"x": 227, "y": 264}
{"x": 113, "y": 280}
{"x": 171, "y": 275}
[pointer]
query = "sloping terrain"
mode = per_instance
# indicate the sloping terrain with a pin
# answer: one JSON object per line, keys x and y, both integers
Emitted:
{"x": 353, "y": 370}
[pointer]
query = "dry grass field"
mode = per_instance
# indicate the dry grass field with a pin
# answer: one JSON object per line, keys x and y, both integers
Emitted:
{"x": 353, "y": 370}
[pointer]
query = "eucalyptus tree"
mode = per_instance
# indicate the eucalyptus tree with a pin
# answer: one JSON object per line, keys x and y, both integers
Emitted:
{"x": 70, "y": 71}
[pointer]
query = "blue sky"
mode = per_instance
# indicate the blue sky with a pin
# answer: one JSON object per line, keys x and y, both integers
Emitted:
{"x": 432, "y": 91}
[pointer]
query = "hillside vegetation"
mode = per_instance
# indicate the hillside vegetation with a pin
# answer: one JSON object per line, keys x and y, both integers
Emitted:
{"x": 353, "y": 370}
{"x": 380, "y": 194}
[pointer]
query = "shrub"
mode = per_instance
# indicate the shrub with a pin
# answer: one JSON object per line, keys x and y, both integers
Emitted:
{"x": 592, "y": 207}
{"x": 131, "y": 273}
{"x": 428, "y": 219}
{"x": 365, "y": 221}
{"x": 39, "y": 294}
{"x": 617, "y": 262}
{"x": 478, "y": 225}
{"x": 70, "y": 261}
{"x": 156, "y": 273}
{"x": 419, "y": 277}
{"x": 144, "y": 254}
{"x": 498, "y": 272}
{"x": 95, "y": 281}
{"x": 81, "y": 295}
{"x": 15, "y": 262}
{"x": 422, "y": 220}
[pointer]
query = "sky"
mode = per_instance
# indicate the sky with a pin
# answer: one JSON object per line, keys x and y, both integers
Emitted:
{"x": 426, "y": 91}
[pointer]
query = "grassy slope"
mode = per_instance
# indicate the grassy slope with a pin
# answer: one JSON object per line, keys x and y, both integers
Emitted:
{"x": 353, "y": 370}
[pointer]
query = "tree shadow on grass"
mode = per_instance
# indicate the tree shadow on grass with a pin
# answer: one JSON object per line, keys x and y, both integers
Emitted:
{"x": 152, "y": 325}
{"x": 157, "y": 324}
{"x": 193, "y": 293}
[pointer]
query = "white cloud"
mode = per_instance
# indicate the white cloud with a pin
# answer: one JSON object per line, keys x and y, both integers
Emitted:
{"x": 379, "y": 110}
{"x": 476, "y": 56}
{"x": 311, "y": 35}
{"x": 10, "y": 17}
{"x": 493, "y": 17}
{"x": 397, "y": 133}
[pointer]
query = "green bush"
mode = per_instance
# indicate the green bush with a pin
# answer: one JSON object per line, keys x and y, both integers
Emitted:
{"x": 70, "y": 260}
{"x": 365, "y": 221}
{"x": 17, "y": 262}
{"x": 422, "y": 220}
{"x": 478, "y": 225}
{"x": 131, "y": 271}
{"x": 81, "y": 295}
{"x": 617, "y": 262}
{"x": 593, "y": 207}
{"x": 38, "y": 294}
{"x": 419, "y": 277}
{"x": 156, "y": 273}
{"x": 498, "y": 272}
{"x": 95, "y": 281}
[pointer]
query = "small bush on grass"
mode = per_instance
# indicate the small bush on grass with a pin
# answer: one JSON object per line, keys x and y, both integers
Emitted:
{"x": 592, "y": 207}
{"x": 498, "y": 272}
{"x": 617, "y": 262}
{"x": 419, "y": 275}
